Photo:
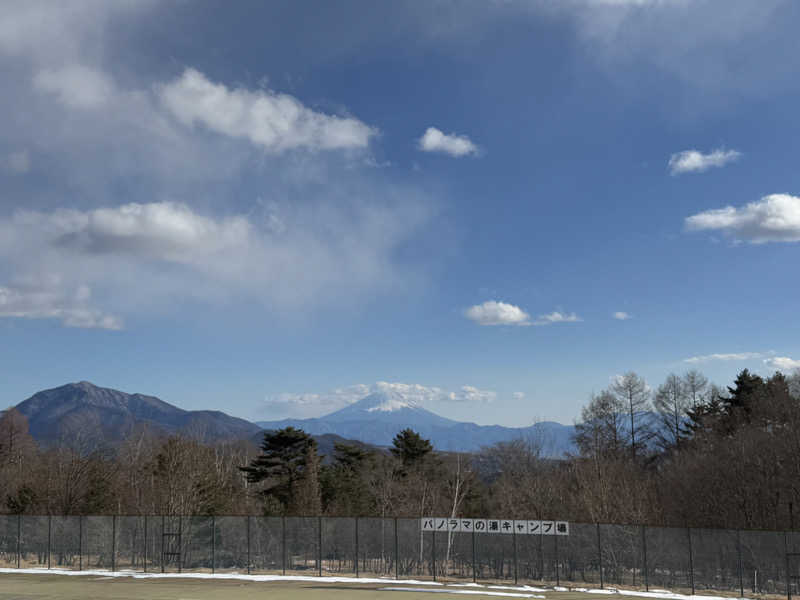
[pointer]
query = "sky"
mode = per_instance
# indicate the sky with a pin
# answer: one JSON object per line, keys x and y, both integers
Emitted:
{"x": 494, "y": 207}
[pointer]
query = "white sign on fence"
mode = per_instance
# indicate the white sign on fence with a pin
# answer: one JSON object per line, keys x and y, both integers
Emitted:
{"x": 506, "y": 526}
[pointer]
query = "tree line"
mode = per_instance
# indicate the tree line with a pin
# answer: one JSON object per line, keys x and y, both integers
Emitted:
{"x": 684, "y": 453}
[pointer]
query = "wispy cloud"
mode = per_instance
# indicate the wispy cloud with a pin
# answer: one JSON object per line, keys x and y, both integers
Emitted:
{"x": 774, "y": 218}
{"x": 271, "y": 120}
{"x": 434, "y": 140}
{"x": 739, "y": 356}
{"x": 782, "y": 363}
{"x": 43, "y": 303}
{"x": 622, "y": 316}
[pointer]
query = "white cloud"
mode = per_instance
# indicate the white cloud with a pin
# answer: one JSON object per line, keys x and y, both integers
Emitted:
{"x": 782, "y": 363}
{"x": 730, "y": 357}
{"x": 557, "y": 317}
{"x": 276, "y": 122}
{"x": 774, "y": 218}
{"x": 518, "y": 395}
{"x": 492, "y": 312}
{"x": 142, "y": 255}
{"x": 17, "y": 162}
{"x": 43, "y": 303}
{"x": 622, "y": 316}
{"x": 76, "y": 86}
{"x": 434, "y": 140}
{"x": 694, "y": 161}
{"x": 469, "y": 393}
{"x": 320, "y": 403}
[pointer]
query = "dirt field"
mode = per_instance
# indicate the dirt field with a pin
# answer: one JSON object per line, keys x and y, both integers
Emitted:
{"x": 61, "y": 587}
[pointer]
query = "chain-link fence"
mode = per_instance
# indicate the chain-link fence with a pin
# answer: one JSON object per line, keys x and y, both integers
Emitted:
{"x": 591, "y": 555}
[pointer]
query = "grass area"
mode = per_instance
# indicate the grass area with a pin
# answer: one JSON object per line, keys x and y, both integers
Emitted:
{"x": 70, "y": 587}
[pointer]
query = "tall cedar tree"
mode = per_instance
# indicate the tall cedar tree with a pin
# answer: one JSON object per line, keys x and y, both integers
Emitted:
{"x": 281, "y": 466}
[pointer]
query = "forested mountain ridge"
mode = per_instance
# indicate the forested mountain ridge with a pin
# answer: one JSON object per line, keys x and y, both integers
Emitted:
{"x": 96, "y": 414}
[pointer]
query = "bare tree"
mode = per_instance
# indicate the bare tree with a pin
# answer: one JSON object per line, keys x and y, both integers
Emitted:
{"x": 671, "y": 402}
{"x": 696, "y": 385}
{"x": 632, "y": 391}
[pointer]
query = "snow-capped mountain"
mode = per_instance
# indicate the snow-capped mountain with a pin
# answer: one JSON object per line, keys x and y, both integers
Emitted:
{"x": 379, "y": 416}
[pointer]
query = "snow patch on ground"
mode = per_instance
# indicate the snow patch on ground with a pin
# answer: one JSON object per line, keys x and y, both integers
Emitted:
{"x": 523, "y": 591}
{"x": 459, "y": 591}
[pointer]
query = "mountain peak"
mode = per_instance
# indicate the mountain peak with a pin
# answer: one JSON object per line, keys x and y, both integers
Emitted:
{"x": 385, "y": 401}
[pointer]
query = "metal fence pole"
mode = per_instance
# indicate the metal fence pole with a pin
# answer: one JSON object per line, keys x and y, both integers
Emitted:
{"x": 558, "y": 573}
{"x": 739, "y": 557}
{"x": 600, "y": 554}
{"x": 80, "y": 543}
{"x": 356, "y": 532}
{"x": 319, "y": 546}
{"x": 19, "y": 539}
{"x": 113, "y": 543}
{"x": 691, "y": 559}
{"x": 213, "y": 544}
{"x": 162, "y": 543}
{"x": 474, "y": 570}
{"x": 144, "y": 560}
{"x": 514, "y": 539}
{"x": 396, "y": 552}
{"x": 49, "y": 537}
{"x": 644, "y": 558}
{"x": 433, "y": 553}
{"x": 180, "y": 542}
{"x": 283, "y": 544}
{"x": 788, "y": 578}
{"x": 248, "y": 544}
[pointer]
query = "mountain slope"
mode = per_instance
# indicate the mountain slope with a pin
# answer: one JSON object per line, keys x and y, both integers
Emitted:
{"x": 92, "y": 414}
{"x": 377, "y": 418}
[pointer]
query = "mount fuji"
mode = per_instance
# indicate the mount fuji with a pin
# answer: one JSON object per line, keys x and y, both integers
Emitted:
{"x": 378, "y": 417}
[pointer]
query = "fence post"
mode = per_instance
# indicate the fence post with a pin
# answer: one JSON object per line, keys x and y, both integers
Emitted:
{"x": 558, "y": 572}
{"x": 113, "y": 543}
{"x": 433, "y": 553}
{"x": 474, "y": 570}
{"x": 396, "y": 552}
{"x": 691, "y": 559}
{"x": 248, "y": 544}
{"x": 19, "y": 539}
{"x": 600, "y": 554}
{"x": 213, "y": 543}
{"x": 357, "y": 546}
{"x": 180, "y": 542}
{"x": 162, "y": 543}
{"x": 644, "y": 558}
{"x": 739, "y": 557}
{"x": 514, "y": 539}
{"x": 80, "y": 542}
{"x": 319, "y": 545}
{"x": 49, "y": 537}
{"x": 144, "y": 559}
{"x": 283, "y": 544}
{"x": 788, "y": 577}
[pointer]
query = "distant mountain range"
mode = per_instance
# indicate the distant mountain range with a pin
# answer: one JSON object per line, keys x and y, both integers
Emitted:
{"x": 378, "y": 417}
{"x": 95, "y": 414}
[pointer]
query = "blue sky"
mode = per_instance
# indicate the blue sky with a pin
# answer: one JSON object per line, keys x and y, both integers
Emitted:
{"x": 267, "y": 208}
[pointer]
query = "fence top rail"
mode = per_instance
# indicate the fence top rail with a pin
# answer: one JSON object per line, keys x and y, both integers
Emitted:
{"x": 369, "y": 517}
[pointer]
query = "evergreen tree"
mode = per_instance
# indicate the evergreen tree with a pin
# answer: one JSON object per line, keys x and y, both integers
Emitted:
{"x": 410, "y": 447}
{"x": 285, "y": 454}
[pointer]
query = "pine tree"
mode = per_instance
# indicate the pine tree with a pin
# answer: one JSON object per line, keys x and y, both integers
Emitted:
{"x": 279, "y": 468}
{"x": 410, "y": 447}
